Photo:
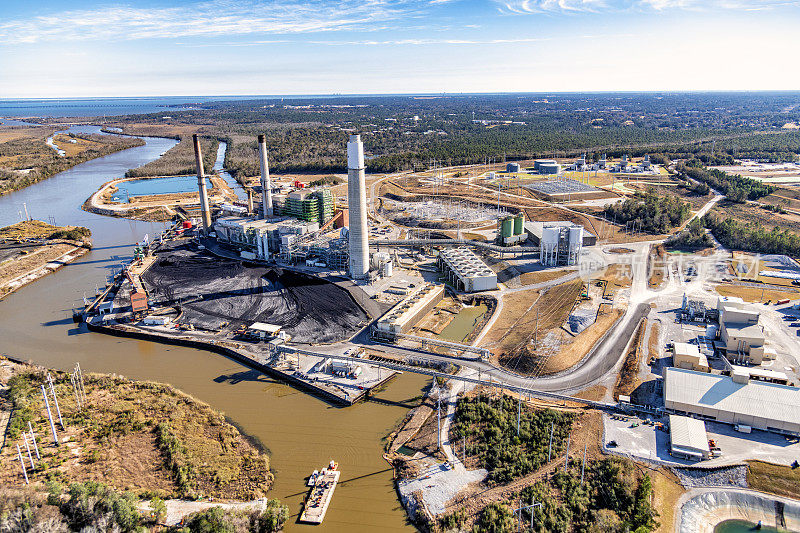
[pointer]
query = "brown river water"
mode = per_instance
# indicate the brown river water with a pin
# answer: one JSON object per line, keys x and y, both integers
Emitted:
{"x": 302, "y": 432}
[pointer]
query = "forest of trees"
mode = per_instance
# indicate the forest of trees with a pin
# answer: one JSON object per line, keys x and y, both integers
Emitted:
{"x": 400, "y": 132}
{"x": 693, "y": 237}
{"x": 489, "y": 426}
{"x": 752, "y": 237}
{"x": 735, "y": 187}
{"x": 648, "y": 212}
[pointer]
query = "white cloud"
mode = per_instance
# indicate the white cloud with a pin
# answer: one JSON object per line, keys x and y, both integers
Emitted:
{"x": 207, "y": 19}
{"x": 595, "y": 6}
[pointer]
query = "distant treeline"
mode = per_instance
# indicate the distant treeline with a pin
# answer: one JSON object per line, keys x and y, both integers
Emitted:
{"x": 752, "y": 237}
{"x": 735, "y": 187}
{"x": 179, "y": 159}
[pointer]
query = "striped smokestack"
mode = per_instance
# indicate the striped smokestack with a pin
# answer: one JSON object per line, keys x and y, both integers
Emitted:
{"x": 201, "y": 185}
{"x": 266, "y": 183}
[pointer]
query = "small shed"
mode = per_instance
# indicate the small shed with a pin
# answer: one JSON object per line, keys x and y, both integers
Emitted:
{"x": 688, "y": 438}
{"x": 263, "y": 330}
{"x": 138, "y": 301}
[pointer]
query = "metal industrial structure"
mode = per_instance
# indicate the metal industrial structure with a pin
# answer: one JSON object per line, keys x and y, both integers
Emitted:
{"x": 205, "y": 213}
{"x": 266, "y": 182}
{"x": 733, "y": 399}
{"x": 466, "y": 271}
{"x": 357, "y": 207}
{"x": 560, "y": 243}
{"x": 404, "y": 315}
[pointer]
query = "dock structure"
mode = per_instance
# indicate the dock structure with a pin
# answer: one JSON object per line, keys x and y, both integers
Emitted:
{"x": 320, "y": 497}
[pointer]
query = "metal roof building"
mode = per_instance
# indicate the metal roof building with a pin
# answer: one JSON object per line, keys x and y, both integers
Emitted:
{"x": 688, "y": 438}
{"x": 466, "y": 271}
{"x": 767, "y": 406}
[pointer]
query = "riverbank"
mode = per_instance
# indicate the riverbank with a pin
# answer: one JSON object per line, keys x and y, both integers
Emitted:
{"x": 32, "y": 249}
{"x": 153, "y": 207}
{"x": 143, "y": 437}
{"x": 27, "y": 158}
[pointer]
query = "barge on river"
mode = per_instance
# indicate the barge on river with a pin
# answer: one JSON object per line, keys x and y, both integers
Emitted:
{"x": 319, "y": 498}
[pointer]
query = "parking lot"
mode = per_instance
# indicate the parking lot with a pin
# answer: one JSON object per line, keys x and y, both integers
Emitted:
{"x": 647, "y": 442}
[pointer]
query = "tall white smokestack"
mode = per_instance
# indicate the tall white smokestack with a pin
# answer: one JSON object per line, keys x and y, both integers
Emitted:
{"x": 205, "y": 214}
{"x": 266, "y": 183}
{"x": 357, "y": 206}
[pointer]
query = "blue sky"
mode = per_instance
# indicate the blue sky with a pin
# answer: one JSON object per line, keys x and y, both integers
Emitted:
{"x": 53, "y": 48}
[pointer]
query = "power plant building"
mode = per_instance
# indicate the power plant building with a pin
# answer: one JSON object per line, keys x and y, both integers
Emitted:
{"x": 733, "y": 399}
{"x": 403, "y": 316}
{"x": 311, "y": 206}
{"x": 465, "y": 270}
{"x": 560, "y": 243}
{"x": 357, "y": 207}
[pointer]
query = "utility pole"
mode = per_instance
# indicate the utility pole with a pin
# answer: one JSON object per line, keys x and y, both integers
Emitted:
{"x": 50, "y": 416}
{"x": 583, "y": 466}
{"x": 28, "y": 448}
{"x": 550, "y": 447}
{"x": 519, "y": 411}
{"x": 55, "y": 400}
{"x": 518, "y": 512}
{"x": 33, "y": 438}
{"x": 22, "y": 464}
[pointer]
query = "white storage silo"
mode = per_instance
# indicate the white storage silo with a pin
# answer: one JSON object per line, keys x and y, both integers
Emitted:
{"x": 575, "y": 244}
{"x": 548, "y": 253}
{"x": 387, "y": 269}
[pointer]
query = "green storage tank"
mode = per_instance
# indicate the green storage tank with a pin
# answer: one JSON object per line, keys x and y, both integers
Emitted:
{"x": 507, "y": 227}
{"x": 519, "y": 222}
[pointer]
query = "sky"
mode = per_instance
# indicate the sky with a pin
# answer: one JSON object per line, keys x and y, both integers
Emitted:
{"x": 51, "y": 49}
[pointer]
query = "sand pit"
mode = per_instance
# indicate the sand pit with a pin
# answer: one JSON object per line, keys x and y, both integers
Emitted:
{"x": 213, "y": 291}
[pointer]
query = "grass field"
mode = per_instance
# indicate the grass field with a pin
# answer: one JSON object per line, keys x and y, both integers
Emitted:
{"x": 775, "y": 479}
{"x": 141, "y": 436}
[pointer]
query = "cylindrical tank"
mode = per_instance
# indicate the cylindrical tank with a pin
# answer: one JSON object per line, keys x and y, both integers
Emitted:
{"x": 387, "y": 269}
{"x": 507, "y": 227}
{"x": 519, "y": 223}
{"x": 379, "y": 258}
{"x": 576, "y": 236}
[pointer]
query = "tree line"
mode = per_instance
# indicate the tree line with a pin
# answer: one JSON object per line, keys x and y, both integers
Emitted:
{"x": 649, "y": 212}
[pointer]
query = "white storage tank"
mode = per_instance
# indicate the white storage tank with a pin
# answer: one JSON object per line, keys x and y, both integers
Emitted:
{"x": 379, "y": 258}
{"x": 575, "y": 243}
{"x": 387, "y": 269}
{"x": 549, "y": 245}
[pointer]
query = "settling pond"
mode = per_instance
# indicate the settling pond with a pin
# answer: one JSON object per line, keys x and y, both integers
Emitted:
{"x": 148, "y": 186}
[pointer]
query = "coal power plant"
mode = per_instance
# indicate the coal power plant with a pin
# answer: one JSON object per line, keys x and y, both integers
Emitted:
{"x": 357, "y": 205}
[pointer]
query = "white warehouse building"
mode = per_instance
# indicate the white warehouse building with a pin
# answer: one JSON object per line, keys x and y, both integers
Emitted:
{"x": 466, "y": 271}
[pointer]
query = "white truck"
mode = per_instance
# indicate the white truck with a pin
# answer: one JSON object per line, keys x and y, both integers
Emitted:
{"x": 741, "y": 428}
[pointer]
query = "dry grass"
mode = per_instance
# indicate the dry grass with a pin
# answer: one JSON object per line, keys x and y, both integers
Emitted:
{"x": 515, "y": 322}
{"x": 653, "y": 344}
{"x": 572, "y": 353}
{"x": 114, "y": 439}
{"x": 754, "y": 294}
{"x": 29, "y": 229}
{"x": 667, "y": 490}
{"x": 530, "y": 278}
{"x": 553, "y": 306}
{"x": 628, "y": 378}
{"x": 74, "y": 146}
{"x": 595, "y": 393}
{"x": 775, "y": 479}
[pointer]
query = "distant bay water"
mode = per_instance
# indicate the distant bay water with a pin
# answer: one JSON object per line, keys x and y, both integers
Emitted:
{"x": 94, "y": 107}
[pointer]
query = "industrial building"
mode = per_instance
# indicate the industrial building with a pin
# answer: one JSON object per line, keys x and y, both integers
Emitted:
{"x": 465, "y": 270}
{"x": 310, "y": 205}
{"x": 511, "y": 230}
{"x": 734, "y": 400}
{"x": 261, "y": 238}
{"x": 410, "y": 310}
{"x": 357, "y": 207}
{"x": 561, "y": 242}
{"x": 688, "y": 438}
{"x": 688, "y": 356}
{"x": 512, "y": 167}
{"x": 740, "y": 334}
